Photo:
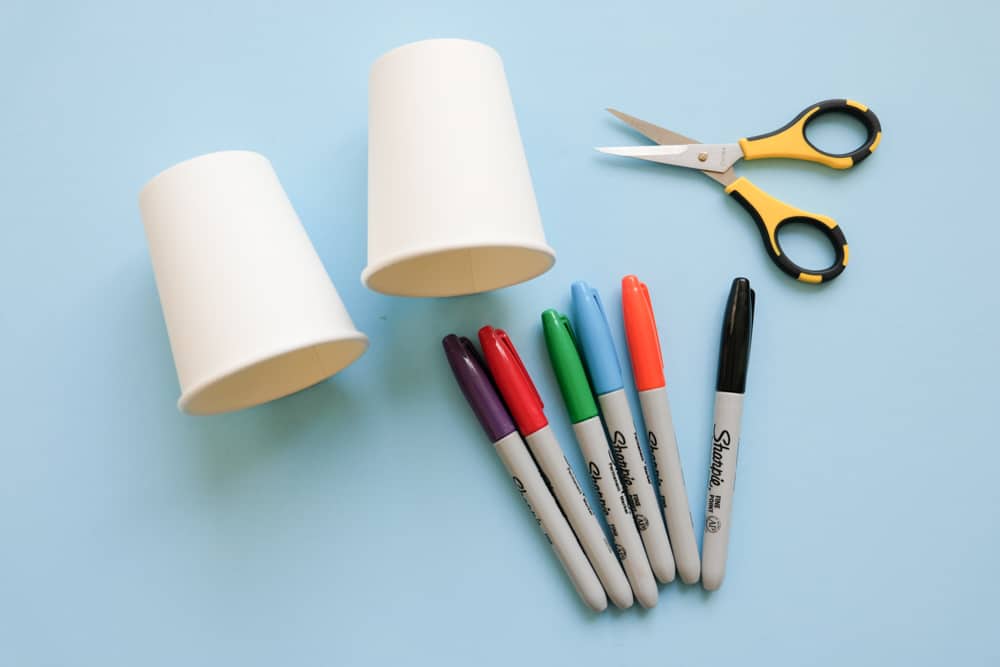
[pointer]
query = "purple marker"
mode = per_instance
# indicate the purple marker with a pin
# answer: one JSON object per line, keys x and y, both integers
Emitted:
{"x": 479, "y": 391}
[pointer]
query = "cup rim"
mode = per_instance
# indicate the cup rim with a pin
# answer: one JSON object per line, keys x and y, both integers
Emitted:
{"x": 427, "y": 251}
{"x": 192, "y": 393}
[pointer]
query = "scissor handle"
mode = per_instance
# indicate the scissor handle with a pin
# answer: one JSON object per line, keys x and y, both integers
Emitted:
{"x": 791, "y": 141}
{"x": 772, "y": 214}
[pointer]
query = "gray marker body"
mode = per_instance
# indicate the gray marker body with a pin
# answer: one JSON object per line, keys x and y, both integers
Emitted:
{"x": 533, "y": 489}
{"x": 721, "y": 487}
{"x": 638, "y": 485}
{"x": 667, "y": 461}
{"x": 556, "y": 468}
{"x": 601, "y": 470}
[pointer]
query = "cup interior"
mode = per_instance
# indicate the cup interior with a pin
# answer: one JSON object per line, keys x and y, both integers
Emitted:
{"x": 273, "y": 377}
{"x": 458, "y": 271}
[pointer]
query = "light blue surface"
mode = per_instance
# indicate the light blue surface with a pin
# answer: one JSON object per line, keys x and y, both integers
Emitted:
{"x": 366, "y": 521}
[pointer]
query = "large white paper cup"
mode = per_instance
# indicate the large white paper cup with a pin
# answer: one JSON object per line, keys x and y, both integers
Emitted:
{"x": 251, "y": 313}
{"x": 451, "y": 209}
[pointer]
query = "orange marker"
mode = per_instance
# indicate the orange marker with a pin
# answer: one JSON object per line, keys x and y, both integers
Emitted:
{"x": 647, "y": 365}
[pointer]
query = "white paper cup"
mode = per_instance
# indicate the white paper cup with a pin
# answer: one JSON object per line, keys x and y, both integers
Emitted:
{"x": 451, "y": 209}
{"x": 251, "y": 313}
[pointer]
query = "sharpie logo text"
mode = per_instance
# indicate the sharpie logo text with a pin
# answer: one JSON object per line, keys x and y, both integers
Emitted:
{"x": 618, "y": 447}
{"x": 595, "y": 477}
{"x": 720, "y": 444}
{"x": 524, "y": 496}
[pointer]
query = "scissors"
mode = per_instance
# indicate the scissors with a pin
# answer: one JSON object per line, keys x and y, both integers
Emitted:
{"x": 770, "y": 214}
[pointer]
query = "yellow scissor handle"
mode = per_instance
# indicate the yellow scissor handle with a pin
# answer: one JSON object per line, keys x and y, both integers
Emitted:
{"x": 772, "y": 214}
{"x": 791, "y": 141}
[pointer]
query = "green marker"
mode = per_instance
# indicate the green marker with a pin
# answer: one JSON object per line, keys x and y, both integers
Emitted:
{"x": 589, "y": 431}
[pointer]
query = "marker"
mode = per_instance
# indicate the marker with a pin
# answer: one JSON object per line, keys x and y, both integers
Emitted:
{"x": 525, "y": 404}
{"x": 647, "y": 364}
{"x": 482, "y": 397}
{"x": 734, "y": 353}
{"x": 594, "y": 445}
{"x": 606, "y": 378}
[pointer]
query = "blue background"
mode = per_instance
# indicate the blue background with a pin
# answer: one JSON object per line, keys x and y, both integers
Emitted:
{"x": 366, "y": 520}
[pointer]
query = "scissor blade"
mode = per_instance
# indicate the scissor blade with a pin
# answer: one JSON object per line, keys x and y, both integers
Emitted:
{"x": 703, "y": 157}
{"x": 661, "y": 135}
{"x": 652, "y": 132}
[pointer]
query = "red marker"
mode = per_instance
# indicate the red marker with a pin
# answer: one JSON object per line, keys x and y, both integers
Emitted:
{"x": 525, "y": 405}
{"x": 647, "y": 366}
{"x": 513, "y": 381}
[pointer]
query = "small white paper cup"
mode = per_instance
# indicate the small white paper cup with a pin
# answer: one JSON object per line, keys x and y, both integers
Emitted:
{"x": 451, "y": 208}
{"x": 250, "y": 311}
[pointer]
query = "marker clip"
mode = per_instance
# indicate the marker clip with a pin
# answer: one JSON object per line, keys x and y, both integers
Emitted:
{"x": 648, "y": 304}
{"x": 596, "y": 340}
{"x": 565, "y": 324}
{"x": 470, "y": 350}
{"x": 502, "y": 337}
{"x": 642, "y": 334}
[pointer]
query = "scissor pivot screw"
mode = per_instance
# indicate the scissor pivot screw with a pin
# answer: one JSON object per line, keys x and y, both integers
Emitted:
{"x": 702, "y": 157}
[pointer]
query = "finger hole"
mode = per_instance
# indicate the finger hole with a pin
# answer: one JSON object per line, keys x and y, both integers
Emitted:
{"x": 836, "y": 133}
{"x": 806, "y": 245}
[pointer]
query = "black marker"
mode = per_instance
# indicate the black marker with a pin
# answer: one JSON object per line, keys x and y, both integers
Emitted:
{"x": 730, "y": 386}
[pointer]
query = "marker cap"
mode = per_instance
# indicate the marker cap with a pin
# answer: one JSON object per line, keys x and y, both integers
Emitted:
{"x": 512, "y": 379}
{"x": 595, "y": 339}
{"x": 737, "y": 327}
{"x": 478, "y": 388}
{"x": 568, "y": 366}
{"x": 640, "y": 331}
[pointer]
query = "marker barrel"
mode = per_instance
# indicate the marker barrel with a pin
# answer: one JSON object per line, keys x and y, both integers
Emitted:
{"x": 673, "y": 492}
{"x": 601, "y": 469}
{"x": 535, "y": 493}
{"x": 634, "y": 475}
{"x": 550, "y": 458}
{"x": 721, "y": 487}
